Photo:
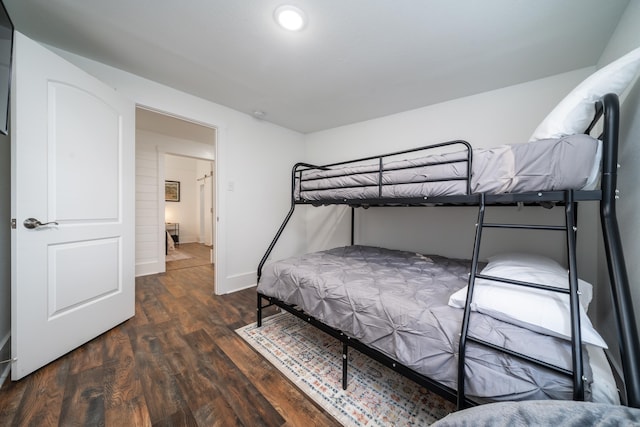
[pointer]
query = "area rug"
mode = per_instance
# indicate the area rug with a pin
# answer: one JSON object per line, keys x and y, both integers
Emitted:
{"x": 176, "y": 255}
{"x": 375, "y": 396}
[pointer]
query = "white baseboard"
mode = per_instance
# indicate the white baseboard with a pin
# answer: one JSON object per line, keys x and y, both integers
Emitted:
{"x": 236, "y": 282}
{"x": 147, "y": 268}
{"x": 241, "y": 289}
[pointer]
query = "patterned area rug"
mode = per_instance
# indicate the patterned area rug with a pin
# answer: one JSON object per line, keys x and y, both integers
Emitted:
{"x": 376, "y": 395}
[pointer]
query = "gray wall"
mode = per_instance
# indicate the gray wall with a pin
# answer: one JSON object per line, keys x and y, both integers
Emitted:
{"x": 629, "y": 202}
{"x": 625, "y": 39}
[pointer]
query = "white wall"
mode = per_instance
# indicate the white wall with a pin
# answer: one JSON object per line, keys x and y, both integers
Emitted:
{"x": 493, "y": 118}
{"x": 5, "y": 253}
{"x": 253, "y": 163}
{"x": 184, "y": 212}
{"x": 148, "y": 207}
{"x": 625, "y": 39}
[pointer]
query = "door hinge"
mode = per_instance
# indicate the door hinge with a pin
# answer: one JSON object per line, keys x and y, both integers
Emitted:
{"x": 13, "y": 223}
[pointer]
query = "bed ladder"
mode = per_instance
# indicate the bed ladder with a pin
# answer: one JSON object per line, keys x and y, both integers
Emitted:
{"x": 570, "y": 229}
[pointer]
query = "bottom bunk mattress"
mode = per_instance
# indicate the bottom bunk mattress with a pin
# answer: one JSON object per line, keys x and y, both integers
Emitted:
{"x": 397, "y": 302}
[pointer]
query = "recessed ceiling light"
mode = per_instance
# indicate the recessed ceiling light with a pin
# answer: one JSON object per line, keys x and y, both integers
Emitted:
{"x": 290, "y": 17}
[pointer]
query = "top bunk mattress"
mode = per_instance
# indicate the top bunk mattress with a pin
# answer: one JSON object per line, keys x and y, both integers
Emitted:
{"x": 568, "y": 163}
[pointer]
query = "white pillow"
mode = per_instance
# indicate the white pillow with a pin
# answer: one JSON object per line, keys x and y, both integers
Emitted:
{"x": 537, "y": 269}
{"x": 574, "y": 113}
{"x": 541, "y": 311}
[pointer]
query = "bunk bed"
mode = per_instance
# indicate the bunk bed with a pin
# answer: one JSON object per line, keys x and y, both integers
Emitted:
{"x": 418, "y": 314}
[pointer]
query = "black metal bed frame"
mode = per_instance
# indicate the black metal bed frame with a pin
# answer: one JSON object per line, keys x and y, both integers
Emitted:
{"x": 629, "y": 342}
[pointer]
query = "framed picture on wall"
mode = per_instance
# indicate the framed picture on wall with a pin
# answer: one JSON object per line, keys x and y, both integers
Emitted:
{"x": 172, "y": 191}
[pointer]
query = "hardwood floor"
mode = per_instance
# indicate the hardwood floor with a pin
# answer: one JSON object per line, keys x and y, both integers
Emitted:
{"x": 200, "y": 255}
{"x": 178, "y": 362}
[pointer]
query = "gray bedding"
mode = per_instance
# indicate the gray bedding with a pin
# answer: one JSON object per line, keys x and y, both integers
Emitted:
{"x": 396, "y": 302}
{"x": 543, "y": 413}
{"x": 547, "y": 165}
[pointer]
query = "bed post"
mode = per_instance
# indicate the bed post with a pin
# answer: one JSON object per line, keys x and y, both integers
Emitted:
{"x": 574, "y": 303}
{"x": 345, "y": 365}
{"x": 294, "y": 171}
{"x": 620, "y": 292}
{"x": 467, "y": 308}
{"x": 353, "y": 225}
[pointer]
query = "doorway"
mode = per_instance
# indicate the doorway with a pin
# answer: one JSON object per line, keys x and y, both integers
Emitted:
{"x": 188, "y": 210}
{"x": 179, "y": 153}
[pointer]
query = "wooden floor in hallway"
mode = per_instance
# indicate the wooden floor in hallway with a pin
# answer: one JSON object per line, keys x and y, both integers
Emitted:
{"x": 197, "y": 254}
{"x": 178, "y": 362}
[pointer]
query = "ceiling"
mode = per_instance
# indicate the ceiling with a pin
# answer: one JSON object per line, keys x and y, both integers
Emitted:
{"x": 355, "y": 60}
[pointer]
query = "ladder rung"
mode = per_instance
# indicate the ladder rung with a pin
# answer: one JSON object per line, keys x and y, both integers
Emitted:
{"x": 526, "y": 284}
{"x": 521, "y": 356}
{"x": 527, "y": 226}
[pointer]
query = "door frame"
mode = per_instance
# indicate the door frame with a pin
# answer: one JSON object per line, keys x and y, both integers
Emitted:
{"x": 218, "y": 226}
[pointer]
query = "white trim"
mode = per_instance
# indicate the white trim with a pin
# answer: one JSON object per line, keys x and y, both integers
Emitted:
{"x": 242, "y": 289}
{"x": 147, "y": 268}
{"x": 162, "y": 228}
{"x": 237, "y": 282}
{"x": 219, "y": 224}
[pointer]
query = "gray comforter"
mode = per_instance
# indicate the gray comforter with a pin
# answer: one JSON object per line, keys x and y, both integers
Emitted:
{"x": 396, "y": 302}
{"x": 547, "y": 165}
{"x": 543, "y": 414}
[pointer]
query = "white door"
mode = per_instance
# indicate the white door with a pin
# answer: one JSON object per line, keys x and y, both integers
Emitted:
{"x": 72, "y": 165}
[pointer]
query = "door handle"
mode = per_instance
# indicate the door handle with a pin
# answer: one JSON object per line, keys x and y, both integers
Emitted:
{"x": 32, "y": 223}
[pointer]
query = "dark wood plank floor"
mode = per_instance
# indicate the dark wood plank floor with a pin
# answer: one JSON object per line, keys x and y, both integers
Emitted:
{"x": 178, "y": 362}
